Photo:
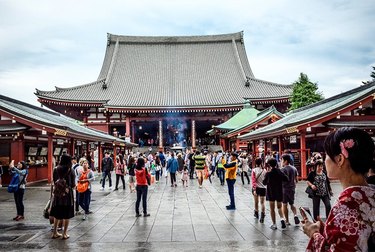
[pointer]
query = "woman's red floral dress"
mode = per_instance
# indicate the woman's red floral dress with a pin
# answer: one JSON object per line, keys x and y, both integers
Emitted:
{"x": 350, "y": 223}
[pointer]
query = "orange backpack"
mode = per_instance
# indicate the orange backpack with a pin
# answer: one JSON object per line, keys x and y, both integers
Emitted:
{"x": 83, "y": 186}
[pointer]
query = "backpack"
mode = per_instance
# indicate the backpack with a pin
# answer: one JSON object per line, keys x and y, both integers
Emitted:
{"x": 14, "y": 183}
{"x": 61, "y": 188}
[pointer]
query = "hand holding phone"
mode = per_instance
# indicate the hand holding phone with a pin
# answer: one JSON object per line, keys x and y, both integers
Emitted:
{"x": 306, "y": 214}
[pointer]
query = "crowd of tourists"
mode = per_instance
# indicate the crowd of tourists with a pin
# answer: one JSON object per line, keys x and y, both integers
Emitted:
{"x": 349, "y": 157}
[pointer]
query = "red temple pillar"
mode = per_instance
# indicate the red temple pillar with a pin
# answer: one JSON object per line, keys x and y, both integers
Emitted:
{"x": 127, "y": 126}
{"x": 100, "y": 156}
{"x": 133, "y": 133}
{"x": 303, "y": 155}
{"x": 237, "y": 144}
{"x": 114, "y": 153}
{"x": 50, "y": 158}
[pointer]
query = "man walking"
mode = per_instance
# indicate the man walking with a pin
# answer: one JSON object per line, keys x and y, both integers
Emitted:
{"x": 107, "y": 168}
{"x": 172, "y": 166}
{"x": 200, "y": 162}
{"x": 289, "y": 188}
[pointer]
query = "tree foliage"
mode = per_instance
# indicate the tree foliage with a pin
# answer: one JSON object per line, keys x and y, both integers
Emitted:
{"x": 304, "y": 92}
{"x": 372, "y": 75}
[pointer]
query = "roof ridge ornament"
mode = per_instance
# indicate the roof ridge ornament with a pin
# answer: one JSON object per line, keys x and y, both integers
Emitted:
{"x": 247, "y": 82}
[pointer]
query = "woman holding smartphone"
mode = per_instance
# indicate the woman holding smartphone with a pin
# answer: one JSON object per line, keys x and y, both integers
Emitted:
{"x": 350, "y": 224}
{"x": 21, "y": 170}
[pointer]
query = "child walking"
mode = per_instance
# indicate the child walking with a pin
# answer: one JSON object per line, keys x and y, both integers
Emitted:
{"x": 185, "y": 177}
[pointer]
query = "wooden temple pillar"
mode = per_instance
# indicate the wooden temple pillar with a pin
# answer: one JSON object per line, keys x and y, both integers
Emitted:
{"x": 114, "y": 154}
{"x": 133, "y": 133}
{"x": 193, "y": 146}
{"x": 280, "y": 140}
{"x": 303, "y": 155}
{"x": 100, "y": 157}
{"x": 72, "y": 148}
{"x": 161, "y": 147}
{"x": 127, "y": 127}
{"x": 237, "y": 144}
{"x": 265, "y": 147}
{"x": 50, "y": 158}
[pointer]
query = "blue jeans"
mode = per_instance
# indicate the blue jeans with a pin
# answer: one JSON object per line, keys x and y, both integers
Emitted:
{"x": 84, "y": 200}
{"x": 141, "y": 193}
{"x": 105, "y": 174}
{"x": 230, "y": 183}
{"x": 18, "y": 198}
{"x": 221, "y": 174}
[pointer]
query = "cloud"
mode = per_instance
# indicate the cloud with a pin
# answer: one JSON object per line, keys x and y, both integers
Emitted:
{"x": 47, "y": 43}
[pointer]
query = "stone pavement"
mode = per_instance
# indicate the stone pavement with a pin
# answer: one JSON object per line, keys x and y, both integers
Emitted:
{"x": 185, "y": 219}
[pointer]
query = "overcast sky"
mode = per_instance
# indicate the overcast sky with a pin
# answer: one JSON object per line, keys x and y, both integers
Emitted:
{"x": 44, "y": 44}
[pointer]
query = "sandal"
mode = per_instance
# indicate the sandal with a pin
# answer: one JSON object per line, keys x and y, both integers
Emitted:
{"x": 65, "y": 237}
{"x": 57, "y": 235}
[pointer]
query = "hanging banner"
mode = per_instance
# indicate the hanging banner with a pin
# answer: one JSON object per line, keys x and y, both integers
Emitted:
{"x": 293, "y": 139}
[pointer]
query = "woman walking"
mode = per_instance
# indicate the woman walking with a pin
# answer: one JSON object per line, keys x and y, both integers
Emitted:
{"x": 157, "y": 164}
{"x": 120, "y": 171}
{"x": 320, "y": 184}
{"x": 131, "y": 171}
{"x": 142, "y": 187}
{"x": 244, "y": 163}
{"x": 85, "y": 176}
{"x": 63, "y": 200}
{"x": 274, "y": 180}
{"x": 21, "y": 171}
{"x": 259, "y": 189}
{"x": 350, "y": 225}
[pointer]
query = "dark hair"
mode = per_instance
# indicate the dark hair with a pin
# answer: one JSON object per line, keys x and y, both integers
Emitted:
{"x": 131, "y": 161}
{"x": 121, "y": 158}
{"x": 140, "y": 163}
{"x": 107, "y": 152}
{"x": 258, "y": 162}
{"x": 23, "y": 164}
{"x": 272, "y": 162}
{"x": 74, "y": 158}
{"x": 66, "y": 160}
{"x": 318, "y": 162}
{"x": 286, "y": 157}
{"x": 360, "y": 155}
{"x": 197, "y": 152}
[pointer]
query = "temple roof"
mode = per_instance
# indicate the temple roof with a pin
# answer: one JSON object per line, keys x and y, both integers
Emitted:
{"x": 311, "y": 114}
{"x": 173, "y": 72}
{"x": 32, "y": 115}
{"x": 248, "y": 113}
{"x": 253, "y": 121}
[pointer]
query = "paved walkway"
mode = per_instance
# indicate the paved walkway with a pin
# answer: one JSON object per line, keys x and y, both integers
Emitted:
{"x": 186, "y": 219}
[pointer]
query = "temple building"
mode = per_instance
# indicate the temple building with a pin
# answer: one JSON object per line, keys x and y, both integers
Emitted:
{"x": 168, "y": 91}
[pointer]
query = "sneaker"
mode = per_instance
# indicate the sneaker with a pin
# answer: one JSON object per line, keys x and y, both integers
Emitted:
{"x": 89, "y": 212}
{"x": 283, "y": 225}
{"x": 138, "y": 215}
{"x": 296, "y": 220}
{"x": 273, "y": 227}
{"x": 231, "y": 208}
{"x": 200, "y": 187}
{"x": 101, "y": 189}
{"x": 77, "y": 213}
{"x": 20, "y": 218}
{"x": 116, "y": 189}
{"x": 84, "y": 217}
{"x": 146, "y": 215}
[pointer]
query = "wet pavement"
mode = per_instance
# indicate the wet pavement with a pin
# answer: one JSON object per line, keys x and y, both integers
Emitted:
{"x": 182, "y": 218}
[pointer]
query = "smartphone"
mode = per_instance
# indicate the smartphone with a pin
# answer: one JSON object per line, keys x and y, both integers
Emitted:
{"x": 306, "y": 214}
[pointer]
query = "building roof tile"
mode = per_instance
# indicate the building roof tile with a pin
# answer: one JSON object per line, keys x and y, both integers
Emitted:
{"x": 164, "y": 72}
{"x": 313, "y": 112}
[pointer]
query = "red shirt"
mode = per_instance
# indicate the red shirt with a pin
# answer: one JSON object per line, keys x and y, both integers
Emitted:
{"x": 140, "y": 175}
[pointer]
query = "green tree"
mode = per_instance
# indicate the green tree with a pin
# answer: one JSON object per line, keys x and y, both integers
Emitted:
{"x": 304, "y": 92}
{"x": 372, "y": 75}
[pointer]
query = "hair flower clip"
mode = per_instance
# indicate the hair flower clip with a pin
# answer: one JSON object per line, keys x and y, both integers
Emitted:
{"x": 346, "y": 144}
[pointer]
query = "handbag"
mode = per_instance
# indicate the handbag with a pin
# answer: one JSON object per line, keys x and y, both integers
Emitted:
{"x": 148, "y": 178}
{"x": 47, "y": 209}
{"x": 309, "y": 191}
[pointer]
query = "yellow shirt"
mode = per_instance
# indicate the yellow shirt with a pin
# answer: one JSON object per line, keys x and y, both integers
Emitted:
{"x": 231, "y": 172}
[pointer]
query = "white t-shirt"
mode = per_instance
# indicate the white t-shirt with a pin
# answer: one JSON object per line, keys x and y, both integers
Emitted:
{"x": 258, "y": 175}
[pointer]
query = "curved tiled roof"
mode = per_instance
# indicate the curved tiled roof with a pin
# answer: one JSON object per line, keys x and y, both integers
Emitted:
{"x": 164, "y": 72}
{"x": 44, "y": 117}
{"x": 313, "y": 112}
